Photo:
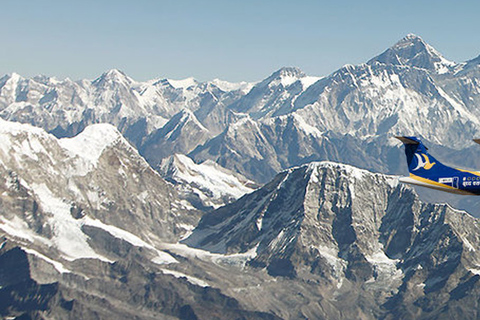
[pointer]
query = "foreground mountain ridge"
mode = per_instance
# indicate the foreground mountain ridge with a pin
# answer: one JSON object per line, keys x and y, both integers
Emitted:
{"x": 363, "y": 237}
{"x": 83, "y": 227}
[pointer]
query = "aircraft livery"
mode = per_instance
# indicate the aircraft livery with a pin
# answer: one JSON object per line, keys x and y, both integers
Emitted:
{"x": 426, "y": 171}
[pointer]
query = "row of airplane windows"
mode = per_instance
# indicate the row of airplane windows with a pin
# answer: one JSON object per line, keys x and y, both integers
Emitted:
{"x": 473, "y": 178}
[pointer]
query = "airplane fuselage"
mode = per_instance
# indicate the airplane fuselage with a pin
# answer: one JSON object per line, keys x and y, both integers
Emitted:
{"x": 426, "y": 171}
{"x": 460, "y": 182}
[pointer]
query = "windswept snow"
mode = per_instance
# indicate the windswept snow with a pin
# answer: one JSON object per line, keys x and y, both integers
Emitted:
{"x": 67, "y": 234}
{"x": 90, "y": 143}
{"x": 208, "y": 180}
{"x": 183, "y": 83}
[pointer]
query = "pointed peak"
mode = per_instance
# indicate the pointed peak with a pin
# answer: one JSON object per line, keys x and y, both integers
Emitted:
{"x": 90, "y": 143}
{"x": 288, "y": 72}
{"x": 284, "y": 76}
{"x": 112, "y": 75}
{"x": 15, "y": 75}
{"x": 414, "y": 52}
{"x": 183, "y": 117}
{"x": 411, "y": 38}
{"x": 12, "y": 78}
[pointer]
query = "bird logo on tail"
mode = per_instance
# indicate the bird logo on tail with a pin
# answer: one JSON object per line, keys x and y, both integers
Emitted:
{"x": 423, "y": 163}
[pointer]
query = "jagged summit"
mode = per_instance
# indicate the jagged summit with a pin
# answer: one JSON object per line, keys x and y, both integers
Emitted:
{"x": 113, "y": 76}
{"x": 413, "y": 51}
{"x": 288, "y": 72}
{"x": 288, "y": 202}
{"x": 358, "y": 231}
{"x": 284, "y": 76}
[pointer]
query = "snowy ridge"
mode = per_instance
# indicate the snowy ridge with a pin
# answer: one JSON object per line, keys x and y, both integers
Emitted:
{"x": 91, "y": 142}
{"x": 161, "y": 258}
{"x": 62, "y": 178}
{"x": 243, "y": 86}
{"x": 210, "y": 182}
{"x": 183, "y": 83}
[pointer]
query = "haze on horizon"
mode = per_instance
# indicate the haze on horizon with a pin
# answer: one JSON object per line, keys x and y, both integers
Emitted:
{"x": 234, "y": 41}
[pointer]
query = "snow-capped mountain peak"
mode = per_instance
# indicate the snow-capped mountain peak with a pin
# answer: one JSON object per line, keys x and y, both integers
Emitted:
{"x": 113, "y": 76}
{"x": 90, "y": 143}
{"x": 285, "y": 76}
{"x": 213, "y": 185}
{"x": 414, "y": 52}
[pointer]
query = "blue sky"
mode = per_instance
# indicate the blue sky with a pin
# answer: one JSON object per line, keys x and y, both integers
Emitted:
{"x": 231, "y": 40}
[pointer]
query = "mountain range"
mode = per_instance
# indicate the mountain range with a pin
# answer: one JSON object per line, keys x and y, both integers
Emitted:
{"x": 179, "y": 199}
{"x": 408, "y": 89}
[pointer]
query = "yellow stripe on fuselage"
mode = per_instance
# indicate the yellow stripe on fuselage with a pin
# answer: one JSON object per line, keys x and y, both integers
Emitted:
{"x": 438, "y": 185}
{"x": 434, "y": 183}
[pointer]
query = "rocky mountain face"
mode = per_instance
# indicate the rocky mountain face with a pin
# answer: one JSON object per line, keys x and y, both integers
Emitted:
{"x": 83, "y": 227}
{"x": 408, "y": 89}
{"x": 365, "y": 246}
{"x": 89, "y": 229}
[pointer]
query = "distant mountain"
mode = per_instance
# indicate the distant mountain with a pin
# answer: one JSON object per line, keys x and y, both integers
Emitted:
{"x": 182, "y": 134}
{"x": 95, "y": 177}
{"x": 285, "y": 120}
{"x": 412, "y": 51}
{"x": 409, "y": 89}
{"x": 135, "y": 108}
{"x": 90, "y": 229}
{"x": 355, "y": 237}
{"x": 275, "y": 95}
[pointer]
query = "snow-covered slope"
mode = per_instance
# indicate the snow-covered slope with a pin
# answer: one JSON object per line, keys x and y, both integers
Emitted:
{"x": 412, "y": 51}
{"x": 275, "y": 95}
{"x": 206, "y": 184}
{"x": 351, "y": 115}
{"x": 95, "y": 179}
{"x": 182, "y": 134}
{"x": 83, "y": 225}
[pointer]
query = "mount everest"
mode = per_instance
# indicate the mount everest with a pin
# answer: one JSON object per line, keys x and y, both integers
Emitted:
{"x": 90, "y": 224}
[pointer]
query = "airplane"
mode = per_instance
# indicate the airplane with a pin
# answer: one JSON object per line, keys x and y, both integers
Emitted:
{"x": 426, "y": 171}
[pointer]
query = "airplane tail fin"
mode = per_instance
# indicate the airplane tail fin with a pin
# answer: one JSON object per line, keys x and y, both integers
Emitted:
{"x": 420, "y": 162}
